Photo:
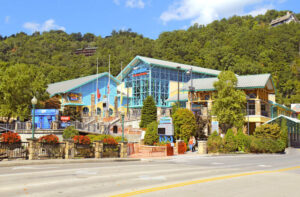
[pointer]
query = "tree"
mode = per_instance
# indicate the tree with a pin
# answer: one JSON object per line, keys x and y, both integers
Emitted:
{"x": 284, "y": 131}
{"x": 229, "y": 103}
{"x": 151, "y": 135}
{"x": 18, "y": 84}
{"x": 230, "y": 144}
{"x": 184, "y": 123}
{"x": 149, "y": 112}
{"x": 70, "y": 132}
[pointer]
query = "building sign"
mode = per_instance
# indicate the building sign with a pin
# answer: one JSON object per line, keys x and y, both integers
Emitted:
{"x": 73, "y": 96}
{"x": 65, "y": 118}
{"x": 296, "y": 107}
{"x": 139, "y": 74}
{"x": 165, "y": 126}
{"x": 215, "y": 126}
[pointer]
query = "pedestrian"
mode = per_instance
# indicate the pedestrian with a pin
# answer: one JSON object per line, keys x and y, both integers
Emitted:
{"x": 194, "y": 143}
{"x": 191, "y": 144}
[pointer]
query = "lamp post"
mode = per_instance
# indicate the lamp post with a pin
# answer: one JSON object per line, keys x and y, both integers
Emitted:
{"x": 191, "y": 88}
{"x": 178, "y": 68}
{"x": 33, "y": 102}
{"x": 122, "y": 117}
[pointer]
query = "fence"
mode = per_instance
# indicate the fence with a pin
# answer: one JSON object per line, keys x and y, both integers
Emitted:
{"x": 14, "y": 150}
{"x": 34, "y": 150}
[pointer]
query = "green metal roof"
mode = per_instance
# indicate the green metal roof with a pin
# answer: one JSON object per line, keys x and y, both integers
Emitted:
{"x": 244, "y": 82}
{"x": 66, "y": 86}
{"x": 283, "y": 116}
{"x": 182, "y": 97}
{"x": 166, "y": 64}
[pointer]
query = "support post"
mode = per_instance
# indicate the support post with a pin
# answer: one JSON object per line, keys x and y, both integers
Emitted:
{"x": 98, "y": 149}
{"x": 32, "y": 148}
{"x": 123, "y": 151}
{"x": 69, "y": 149}
{"x": 202, "y": 147}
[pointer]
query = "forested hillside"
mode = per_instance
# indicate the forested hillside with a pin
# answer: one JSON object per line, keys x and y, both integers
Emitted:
{"x": 245, "y": 45}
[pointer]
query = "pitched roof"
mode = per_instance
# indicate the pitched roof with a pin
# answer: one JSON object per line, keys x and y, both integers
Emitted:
{"x": 283, "y": 18}
{"x": 244, "y": 82}
{"x": 166, "y": 64}
{"x": 66, "y": 86}
{"x": 283, "y": 116}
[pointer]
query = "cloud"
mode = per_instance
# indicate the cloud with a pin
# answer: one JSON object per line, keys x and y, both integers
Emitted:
{"x": 117, "y": 2}
{"x": 135, "y": 3}
{"x": 7, "y": 19}
{"x": 260, "y": 11}
{"x": 205, "y": 11}
{"x": 46, "y": 26}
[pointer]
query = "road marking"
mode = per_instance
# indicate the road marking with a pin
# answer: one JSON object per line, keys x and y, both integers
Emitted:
{"x": 154, "y": 189}
{"x": 216, "y": 163}
{"x": 146, "y": 178}
{"x": 264, "y": 166}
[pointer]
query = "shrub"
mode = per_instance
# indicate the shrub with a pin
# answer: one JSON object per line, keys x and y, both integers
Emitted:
{"x": 81, "y": 139}
{"x": 214, "y": 143}
{"x": 184, "y": 124}
{"x": 230, "y": 142}
{"x": 151, "y": 135}
{"x": 49, "y": 139}
{"x": 149, "y": 112}
{"x": 10, "y": 137}
{"x": 268, "y": 131}
{"x": 243, "y": 141}
{"x": 70, "y": 132}
{"x": 110, "y": 140}
{"x": 260, "y": 145}
{"x": 103, "y": 136}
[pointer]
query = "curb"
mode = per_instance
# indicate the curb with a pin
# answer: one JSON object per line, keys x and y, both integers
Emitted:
{"x": 62, "y": 161}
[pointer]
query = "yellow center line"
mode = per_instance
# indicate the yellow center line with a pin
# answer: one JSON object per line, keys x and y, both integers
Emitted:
{"x": 154, "y": 189}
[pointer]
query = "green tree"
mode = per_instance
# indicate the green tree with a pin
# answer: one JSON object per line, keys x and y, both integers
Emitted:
{"x": 70, "y": 132}
{"x": 230, "y": 144}
{"x": 184, "y": 123}
{"x": 149, "y": 112}
{"x": 229, "y": 103}
{"x": 18, "y": 84}
{"x": 243, "y": 141}
{"x": 151, "y": 135}
{"x": 214, "y": 143}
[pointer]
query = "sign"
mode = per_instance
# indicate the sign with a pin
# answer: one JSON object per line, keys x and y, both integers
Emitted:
{"x": 215, "y": 126}
{"x": 139, "y": 74}
{"x": 296, "y": 107}
{"x": 73, "y": 96}
{"x": 165, "y": 126}
{"x": 65, "y": 118}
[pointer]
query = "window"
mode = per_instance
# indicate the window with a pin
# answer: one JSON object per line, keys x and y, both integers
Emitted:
{"x": 85, "y": 110}
{"x": 111, "y": 112}
{"x": 115, "y": 129}
{"x": 98, "y": 111}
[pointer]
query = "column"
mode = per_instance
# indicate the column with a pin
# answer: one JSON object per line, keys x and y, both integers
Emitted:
{"x": 257, "y": 107}
{"x": 189, "y": 105}
{"x": 202, "y": 147}
{"x": 98, "y": 149}
{"x": 33, "y": 148}
{"x": 123, "y": 150}
{"x": 69, "y": 149}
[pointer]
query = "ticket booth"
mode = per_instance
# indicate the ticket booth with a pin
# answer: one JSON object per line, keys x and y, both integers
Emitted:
{"x": 44, "y": 118}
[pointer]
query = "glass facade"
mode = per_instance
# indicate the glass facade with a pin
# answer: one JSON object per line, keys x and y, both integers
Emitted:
{"x": 155, "y": 81}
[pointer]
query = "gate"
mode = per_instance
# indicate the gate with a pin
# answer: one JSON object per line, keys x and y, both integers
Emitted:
{"x": 13, "y": 150}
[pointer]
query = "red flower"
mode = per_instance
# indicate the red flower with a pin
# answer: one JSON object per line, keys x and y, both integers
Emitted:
{"x": 10, "y": 137}
{"x": 51, "y": 139}
{"x": 110, "y": 140}
{"x": 81, "y": 139}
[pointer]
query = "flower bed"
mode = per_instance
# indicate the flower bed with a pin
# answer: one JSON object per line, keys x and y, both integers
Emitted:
{"x": 10, "y": 137}
{"x": 81, "y": 139}
{"x": 49, "y": 139}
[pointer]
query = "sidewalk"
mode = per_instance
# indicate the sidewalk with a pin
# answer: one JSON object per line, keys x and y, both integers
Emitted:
{"x": 63, "y": 161}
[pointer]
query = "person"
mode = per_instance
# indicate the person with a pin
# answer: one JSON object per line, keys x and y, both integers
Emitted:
{"x": 194, "y": 143}
{"x": 191, "y": 143}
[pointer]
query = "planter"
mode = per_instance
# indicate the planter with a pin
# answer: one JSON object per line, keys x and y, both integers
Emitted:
{"x": 11, "y": 146}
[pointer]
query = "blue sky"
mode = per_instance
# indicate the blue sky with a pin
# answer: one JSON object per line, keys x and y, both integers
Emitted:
{"x": 147, "y": 17}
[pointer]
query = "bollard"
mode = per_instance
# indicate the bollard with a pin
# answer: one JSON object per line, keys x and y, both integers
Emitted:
{"x": 202, "y": 147}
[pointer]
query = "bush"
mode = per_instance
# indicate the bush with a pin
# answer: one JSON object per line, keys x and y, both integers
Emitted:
{"x": 103, "y": 136}
{"x": 49, "y": 139}
{"x": 243, "y": 141}
{"x": 268, "y": 131}
{"x": 184, "y": 124}
{"x": 151, "y": 135}
{"x": 149, "y": 112}
{"x": 81, "y": 139}
{"x": 284, "y": 132}
{"x": 214, "y": 143}
{"x": 10, "y": 137}
{"x": 70, "y": 132}
{"x": 229, "y": 142}
{"x": 260, "y": 145}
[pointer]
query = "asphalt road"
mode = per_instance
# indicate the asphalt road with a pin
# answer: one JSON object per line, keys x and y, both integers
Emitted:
{"x": 187, "y": 175}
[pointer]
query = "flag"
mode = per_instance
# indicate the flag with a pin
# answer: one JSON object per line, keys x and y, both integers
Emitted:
{"x": 98, "y": 94}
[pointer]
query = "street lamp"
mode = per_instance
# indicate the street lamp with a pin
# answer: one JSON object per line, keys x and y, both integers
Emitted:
{"x": 33, "y": 102}
{"x": 122, "y": 117}
{"x": 178, "y": 103}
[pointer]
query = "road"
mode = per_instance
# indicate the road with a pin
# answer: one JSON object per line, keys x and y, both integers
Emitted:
{"x": 187, "y": 175}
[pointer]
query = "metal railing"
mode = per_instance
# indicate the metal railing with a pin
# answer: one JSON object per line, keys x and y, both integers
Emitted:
{"x": 14, "y": 150}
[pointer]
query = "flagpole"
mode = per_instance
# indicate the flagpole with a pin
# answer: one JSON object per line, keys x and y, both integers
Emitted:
{"x": 108, "y": 83}
{"x": 121, "y": 98}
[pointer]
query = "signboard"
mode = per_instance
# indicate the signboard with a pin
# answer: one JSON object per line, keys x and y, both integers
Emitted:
{"x": 296, "y": 107}
{"x": 214, "y": 126}
{"x": 73, "y": 96}
{"x": 165, "y": 126}
{"x": 46, "y": 112}
{"x": 65, "y": 118}
{"x": 139, "y": 74}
